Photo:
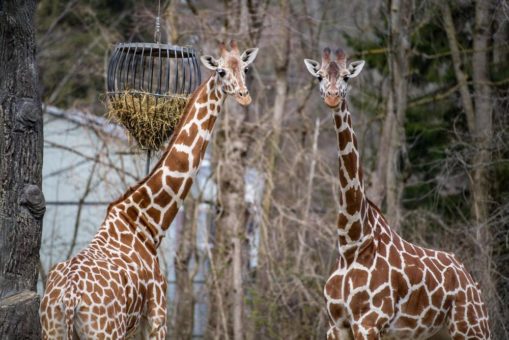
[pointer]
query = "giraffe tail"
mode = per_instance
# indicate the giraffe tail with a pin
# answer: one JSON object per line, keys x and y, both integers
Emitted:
{"x": 70, "y": 301}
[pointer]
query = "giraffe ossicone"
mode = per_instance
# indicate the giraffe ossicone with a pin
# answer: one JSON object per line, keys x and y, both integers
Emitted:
{"x": 384, "y": 287}
{"x": 114, "y": 287}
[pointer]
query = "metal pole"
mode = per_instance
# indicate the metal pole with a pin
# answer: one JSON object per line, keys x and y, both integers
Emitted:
{"x": 147, "y": 170}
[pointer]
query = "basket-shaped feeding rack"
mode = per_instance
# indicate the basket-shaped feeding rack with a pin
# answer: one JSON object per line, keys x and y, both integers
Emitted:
{"x": 148, "y": 85}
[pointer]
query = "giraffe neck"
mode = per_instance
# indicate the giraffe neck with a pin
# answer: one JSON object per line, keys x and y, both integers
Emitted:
{"x": 150, "y": 207}
{"x": 353, "y": 225}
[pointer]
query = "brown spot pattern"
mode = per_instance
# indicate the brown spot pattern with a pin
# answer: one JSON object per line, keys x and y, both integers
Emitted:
{"x": 383, "y": 284}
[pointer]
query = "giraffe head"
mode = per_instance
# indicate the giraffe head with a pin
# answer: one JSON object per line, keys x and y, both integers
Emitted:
{"x": 333, "y": 75}
{"x": 231, "y": 68}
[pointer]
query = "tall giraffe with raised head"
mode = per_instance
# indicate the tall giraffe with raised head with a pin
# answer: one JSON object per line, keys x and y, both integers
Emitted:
{"x": 384, "y": 287}
{"x": 115, "y": 284}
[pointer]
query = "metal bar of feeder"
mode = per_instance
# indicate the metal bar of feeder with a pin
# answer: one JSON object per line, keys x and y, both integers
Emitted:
{"x": 151, "y": 71}
{"x": 159, "y": 74}
{"x": 131, "y": 85}
{"x": 127, "y": 73}
{"x": 190, "y": 75}
{"x": 176, "y": 75}
{"x": 118, "y": 57}
{"x": 168, "y": 66}
{"x": 142, "y": 73}
{"x": 125, "y": 52}
{"x": 127, "y": 87}
{"x": 147, "y": 166}
{"x": 124, "y": 74}
{"x": 133, "y": 71}
{"x": 158, "y": 81}
{"x": 143, "y": 58}
{"x": 110, "y": 77}
{"x": 115, "y": 72}
{"x": 183, "y": 84}
{"x": 183, "y": 72}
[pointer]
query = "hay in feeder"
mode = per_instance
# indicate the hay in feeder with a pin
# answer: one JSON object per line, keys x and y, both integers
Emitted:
{"x": 149, "y": 120}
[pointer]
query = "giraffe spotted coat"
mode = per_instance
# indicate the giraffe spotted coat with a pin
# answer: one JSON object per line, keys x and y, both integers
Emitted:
{"x": 114, "y": 288}
{"x": 382, "y": 286}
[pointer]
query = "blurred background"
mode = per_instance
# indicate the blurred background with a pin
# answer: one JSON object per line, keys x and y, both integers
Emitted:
{"x": 255, "y": 240}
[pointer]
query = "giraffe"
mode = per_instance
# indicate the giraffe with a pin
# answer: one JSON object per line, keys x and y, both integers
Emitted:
{"x": 383, "y": 287}
{"x": 114, "y": 288}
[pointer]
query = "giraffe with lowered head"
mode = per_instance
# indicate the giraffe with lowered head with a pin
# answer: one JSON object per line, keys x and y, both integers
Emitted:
{"x": 382, "y": 286}
{"x": 115, "y": 286}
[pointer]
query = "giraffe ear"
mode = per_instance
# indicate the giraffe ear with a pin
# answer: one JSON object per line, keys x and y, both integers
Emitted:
{"x": 355, "y": 68}
{"x": 209, "y": 62}
{"x": 249, "y": 55}
{"x": 313, "y": 66}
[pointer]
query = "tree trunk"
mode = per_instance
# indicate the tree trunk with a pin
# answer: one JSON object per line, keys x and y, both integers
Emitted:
{"x": 184, "y": 294}
{"x": 22, "y": 203}
{"x": 399, "y": 66}
{"x": 378, "y": 187}
{"x": 272, "y": 145}
{"x": 228, "y": 250}
{"x": 466, "y": 99}
{"x": 238, "y": 224}
{"x": 480, "y": 126}
{"x": 303, "y": 232}
{"x": 481, "y": 137}
{"x": 273, "y": 141}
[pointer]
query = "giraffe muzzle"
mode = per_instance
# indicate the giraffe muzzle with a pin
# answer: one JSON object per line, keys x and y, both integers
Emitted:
{"x": 243, "y": 98}
{"x": 332, "y": 101}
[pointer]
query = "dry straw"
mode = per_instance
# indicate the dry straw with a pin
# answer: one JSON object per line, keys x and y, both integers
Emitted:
{"x": 150, "y": 120}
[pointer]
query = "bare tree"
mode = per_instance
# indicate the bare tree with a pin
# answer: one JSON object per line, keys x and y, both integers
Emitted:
{"x": 461, "y": 77}
{"x": 482, "y": 137}
{"x": 401, "y": 13}
{"x": 282, "y": 52}
{"x": 184, "y": 295}
{"x": 22, "y": 204}
{"x": 478, "y": 107}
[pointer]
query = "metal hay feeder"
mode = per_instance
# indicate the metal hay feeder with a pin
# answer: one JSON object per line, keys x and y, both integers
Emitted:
{"x": 148, "y": 85}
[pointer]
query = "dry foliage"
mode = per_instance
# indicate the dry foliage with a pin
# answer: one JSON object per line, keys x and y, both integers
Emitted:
{"x": 149, "y": 119}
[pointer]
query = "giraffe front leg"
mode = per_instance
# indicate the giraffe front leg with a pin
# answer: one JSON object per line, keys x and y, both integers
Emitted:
{"x": 365, "y": 333}
{"x": 335, "y": 333}
{"x": 332, "y": 333}
{"x": 156, "y": 312}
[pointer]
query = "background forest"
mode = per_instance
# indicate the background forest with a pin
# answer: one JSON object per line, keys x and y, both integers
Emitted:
{"x": 429, "y": 109}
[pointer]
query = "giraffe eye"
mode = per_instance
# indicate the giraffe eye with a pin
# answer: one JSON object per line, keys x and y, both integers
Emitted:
{"x": 221, "y": 72}
{"x": 320, "y": 78}
{"x": 246, "y": 69}
{"x": 345, "y": 78}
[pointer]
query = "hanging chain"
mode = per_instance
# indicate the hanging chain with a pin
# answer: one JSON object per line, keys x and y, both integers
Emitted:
{"x": 157, "y": 38}
{"x": 157, "y": 33}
